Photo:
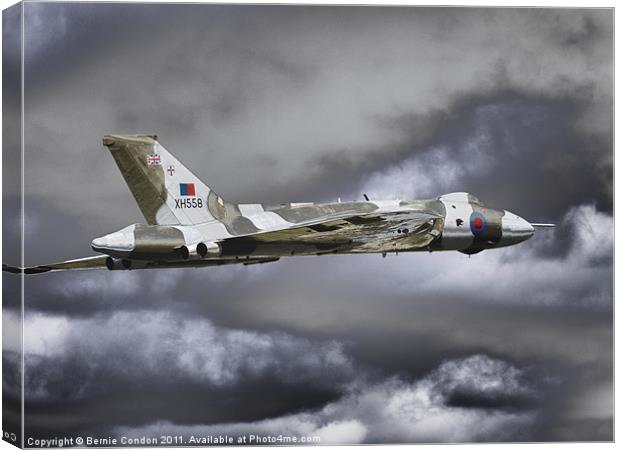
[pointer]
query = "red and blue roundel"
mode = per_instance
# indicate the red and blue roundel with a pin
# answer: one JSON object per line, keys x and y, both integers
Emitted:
{"x": 478, "y": 223}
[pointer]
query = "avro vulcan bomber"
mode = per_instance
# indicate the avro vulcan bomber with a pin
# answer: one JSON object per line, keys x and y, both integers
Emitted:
{"x": 189, "y": 225}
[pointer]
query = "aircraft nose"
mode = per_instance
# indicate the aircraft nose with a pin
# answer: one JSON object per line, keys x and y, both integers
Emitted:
{"x": 515, "y": 229}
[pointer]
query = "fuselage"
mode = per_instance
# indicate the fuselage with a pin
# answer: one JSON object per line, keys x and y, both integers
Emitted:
{"x": 456, "y": 221}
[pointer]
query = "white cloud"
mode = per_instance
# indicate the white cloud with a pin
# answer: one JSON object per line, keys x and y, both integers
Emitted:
{"x": 480, "y": 374}
{"x": 102, "y": 282}
{"x": 393, "y": 410}
{"x": 594, "y": 233}
{"x": 11, "y": 331}
{"x": 423, "y": 176}
{"x": 342, "y": 432}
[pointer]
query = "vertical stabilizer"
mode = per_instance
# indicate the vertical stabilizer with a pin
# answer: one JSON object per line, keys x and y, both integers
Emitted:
{"x": 166, "y": 191}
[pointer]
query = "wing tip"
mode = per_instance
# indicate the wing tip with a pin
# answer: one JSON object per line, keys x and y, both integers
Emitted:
{"x": 11, "y": 269}
{"x": 26, "y": 270}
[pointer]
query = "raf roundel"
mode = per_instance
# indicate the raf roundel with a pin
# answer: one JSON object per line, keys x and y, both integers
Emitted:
{"x": 478, "y": 224}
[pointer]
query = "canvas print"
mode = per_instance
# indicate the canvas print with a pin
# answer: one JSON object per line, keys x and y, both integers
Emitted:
{"x": 306, "y": 225}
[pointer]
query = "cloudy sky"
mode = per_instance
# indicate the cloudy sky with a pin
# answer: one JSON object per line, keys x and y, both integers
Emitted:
{"x": 295, "y": 103}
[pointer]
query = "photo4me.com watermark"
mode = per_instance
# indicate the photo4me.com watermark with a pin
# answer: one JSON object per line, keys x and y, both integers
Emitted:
{"x": 169, "y": 440}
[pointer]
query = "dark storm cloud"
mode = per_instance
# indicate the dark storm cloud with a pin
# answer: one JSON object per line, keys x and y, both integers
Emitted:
{"x": 244, "y": 375}
{"x": 222, "y": 83}
{"x": 211, "y": 375}
{"x": 276, "y": 104}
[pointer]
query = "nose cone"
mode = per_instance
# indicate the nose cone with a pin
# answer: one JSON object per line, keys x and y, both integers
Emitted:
{"x": 515, "y": 229}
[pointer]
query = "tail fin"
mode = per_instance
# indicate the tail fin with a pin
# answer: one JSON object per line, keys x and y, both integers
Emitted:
{"x": 166, "y": 191}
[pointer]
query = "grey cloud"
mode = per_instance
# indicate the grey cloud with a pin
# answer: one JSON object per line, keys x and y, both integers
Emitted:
{"x": 281, "y": 99}
{"x": 507, "y": 151}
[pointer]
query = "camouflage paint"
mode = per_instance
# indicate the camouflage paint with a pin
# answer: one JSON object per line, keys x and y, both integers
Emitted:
{"x": 184, "y": 215}
{"x": 145, "y": 182}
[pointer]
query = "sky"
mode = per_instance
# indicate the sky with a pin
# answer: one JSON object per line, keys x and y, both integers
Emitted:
{"x": 280, "y": 104}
